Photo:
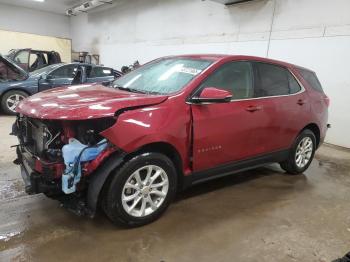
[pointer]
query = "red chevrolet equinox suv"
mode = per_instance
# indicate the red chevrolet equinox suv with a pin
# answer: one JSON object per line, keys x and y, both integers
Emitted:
{"x": 172, "y": 123}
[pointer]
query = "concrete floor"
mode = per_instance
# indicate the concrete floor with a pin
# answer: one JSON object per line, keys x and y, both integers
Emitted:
{"x": 260, "y": 215}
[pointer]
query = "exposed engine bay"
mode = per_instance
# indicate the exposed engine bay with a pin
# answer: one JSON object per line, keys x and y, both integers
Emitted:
{"x": 45, "y": 138}
{"x": 57, "y": 157}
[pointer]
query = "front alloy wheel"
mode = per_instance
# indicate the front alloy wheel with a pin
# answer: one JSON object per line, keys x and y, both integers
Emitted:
{"x": 145, "y": 191}
{"x": 140, "y": 190}
{"x": 11, "y": 99}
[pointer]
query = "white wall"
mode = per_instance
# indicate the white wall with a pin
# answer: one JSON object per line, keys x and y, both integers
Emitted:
{"x": 311, "y": 33}
{"x": 25, "y": 20}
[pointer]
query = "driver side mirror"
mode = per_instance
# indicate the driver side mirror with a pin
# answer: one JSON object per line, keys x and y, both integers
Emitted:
{"x": 212, "y": 95}
{"x": 44, "y": 77}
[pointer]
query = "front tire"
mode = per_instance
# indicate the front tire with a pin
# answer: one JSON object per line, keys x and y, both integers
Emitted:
{"x": 11, "y": 99}
{"x": 301, "y": 154}
{"x": 141, "y": 190}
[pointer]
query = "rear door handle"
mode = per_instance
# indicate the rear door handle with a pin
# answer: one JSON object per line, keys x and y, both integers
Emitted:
{"x": 253, "y": 108}
{"x": 301, "y": 102}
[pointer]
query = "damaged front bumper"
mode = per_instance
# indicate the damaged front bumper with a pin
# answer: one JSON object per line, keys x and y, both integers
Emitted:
{"x": 34, "y": 181}
{"x": 81, "y": 203}
{"x": 45, "y": 176}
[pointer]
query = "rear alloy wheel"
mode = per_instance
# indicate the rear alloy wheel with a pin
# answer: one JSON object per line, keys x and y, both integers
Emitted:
{"x": 301, "y": 154}
{"x": 11, "y": 99}
{"x": 304, "y": 152}
{"x": 141, "y": 190}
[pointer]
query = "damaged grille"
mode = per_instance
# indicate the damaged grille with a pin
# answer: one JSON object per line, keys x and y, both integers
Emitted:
{"x": 45, "y": 138}
{"x": 35, "y": 135}
{"x": 32, "y": 136}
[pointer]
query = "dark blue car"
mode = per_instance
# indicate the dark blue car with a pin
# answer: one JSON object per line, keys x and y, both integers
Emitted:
{"x": 16, "y": 84}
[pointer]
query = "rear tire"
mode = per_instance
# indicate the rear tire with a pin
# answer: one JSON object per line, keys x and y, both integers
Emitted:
{"x": 301, "y": 153}
{"x": 141, "y": 190}
{"x": 11, "y": 99}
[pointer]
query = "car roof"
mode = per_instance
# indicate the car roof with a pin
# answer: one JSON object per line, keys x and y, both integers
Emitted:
{"x": 220, "y": 57}
{"x": 84, "y": 64}
{"x": 58, "y": 65}
{"x": 33, "y": 50}
{"x": 74, "y": 63}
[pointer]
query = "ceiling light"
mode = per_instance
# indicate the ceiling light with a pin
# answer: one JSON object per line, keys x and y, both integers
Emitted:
{"x": 231, "y": 2}
{"x": 86, "y": 6}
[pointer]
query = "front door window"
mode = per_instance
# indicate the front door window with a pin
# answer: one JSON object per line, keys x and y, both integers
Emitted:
{"x": 236, "y": 77}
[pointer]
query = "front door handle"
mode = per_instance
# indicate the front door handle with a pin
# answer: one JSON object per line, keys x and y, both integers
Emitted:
{"x": 253, "y": 108}
{"x": 301, "y": 102}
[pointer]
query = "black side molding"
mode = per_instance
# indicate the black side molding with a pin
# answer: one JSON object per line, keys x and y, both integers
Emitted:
{"x": 235, "y": 167}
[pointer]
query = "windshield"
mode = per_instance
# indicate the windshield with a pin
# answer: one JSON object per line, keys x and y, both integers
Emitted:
{"x": 44, "y": 70}
{"x": 164, "y": 76}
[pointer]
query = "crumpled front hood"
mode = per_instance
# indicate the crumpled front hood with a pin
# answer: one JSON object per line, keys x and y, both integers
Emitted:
{"x": 83, "y": 102}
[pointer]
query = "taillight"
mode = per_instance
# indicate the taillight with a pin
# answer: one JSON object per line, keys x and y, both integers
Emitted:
{"x": 327, "y": 100}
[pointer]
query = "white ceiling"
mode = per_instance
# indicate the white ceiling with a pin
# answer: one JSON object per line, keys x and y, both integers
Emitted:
{"x": 55, "y": 6}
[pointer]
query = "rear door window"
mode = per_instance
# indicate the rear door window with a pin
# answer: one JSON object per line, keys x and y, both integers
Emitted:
{"x": 100, "y": 72}
{"x": 311, "y": 79}
{"x": 270, "y": 80}
{"x": 274, "y": 80}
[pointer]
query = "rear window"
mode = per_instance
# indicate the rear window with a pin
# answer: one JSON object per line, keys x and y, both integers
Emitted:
{"x": 311, "y": 79}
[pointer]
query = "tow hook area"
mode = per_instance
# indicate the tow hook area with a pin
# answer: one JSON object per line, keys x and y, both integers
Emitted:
{"x": 75, "y": 204}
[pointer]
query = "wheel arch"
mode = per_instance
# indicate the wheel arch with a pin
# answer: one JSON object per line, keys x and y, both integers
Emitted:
{"x": 14, "y": 89}
{"x": 168, "y": 150}
{"x": 316, "y": 130}
{"x": 100, "y": 179}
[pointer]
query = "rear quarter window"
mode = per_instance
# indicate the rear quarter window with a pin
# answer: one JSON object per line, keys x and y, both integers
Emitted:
{"x": 311, "y": 79}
